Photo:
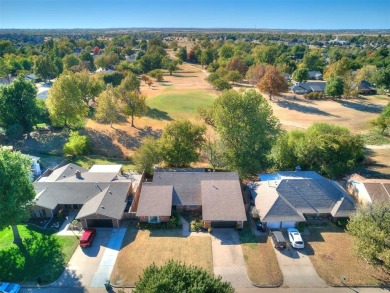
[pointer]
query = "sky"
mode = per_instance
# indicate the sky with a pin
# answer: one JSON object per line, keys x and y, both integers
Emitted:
{"x": 252, "y": 14}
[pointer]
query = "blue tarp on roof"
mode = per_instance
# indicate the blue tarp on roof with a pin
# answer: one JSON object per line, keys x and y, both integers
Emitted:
{"x": 267, "y": 177}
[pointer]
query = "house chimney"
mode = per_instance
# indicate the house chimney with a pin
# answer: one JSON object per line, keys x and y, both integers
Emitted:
{"x": 78, "y": 174}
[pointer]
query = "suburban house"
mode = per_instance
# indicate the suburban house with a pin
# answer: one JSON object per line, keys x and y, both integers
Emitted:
{"x": 287, "y": 198}
{"x": 216, "y": 194}
{"x": 368, "y": 190}
{"x": 317, "y": 75}
{"x": 302, "y": 88}
{"x": 101, "y": 196}
{"x": 366, "y": 88}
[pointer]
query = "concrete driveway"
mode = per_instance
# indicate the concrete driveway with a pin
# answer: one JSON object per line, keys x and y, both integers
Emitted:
{"x": 228, "y": 259}
{"x": 90, "y": 267}
{"x": 297, "y": 269}
{"x": 84, "y": 262}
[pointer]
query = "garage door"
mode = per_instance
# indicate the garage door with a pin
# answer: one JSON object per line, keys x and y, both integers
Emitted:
{"x": 223, "y": 224}
{"x": 273, "y": 225}
{"x": 102, "y": 223}
{"x": 288, "y": 224}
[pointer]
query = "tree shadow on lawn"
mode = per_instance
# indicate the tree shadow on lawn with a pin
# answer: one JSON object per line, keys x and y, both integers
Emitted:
{"x": 102, "y": 143}
{"x": 39, "y": 256}
{"x": 369, "y": 108}
{"x": 303, "y": 108}
{"x": 370, "y": 168}
{"x": 158, "y": 114}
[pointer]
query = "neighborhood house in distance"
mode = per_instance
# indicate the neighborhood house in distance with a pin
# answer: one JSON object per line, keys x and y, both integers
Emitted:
{"x": 287, "y": 198}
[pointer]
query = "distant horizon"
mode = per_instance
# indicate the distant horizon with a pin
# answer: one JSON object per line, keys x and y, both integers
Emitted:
{"x": 201, "y": 28}
{"x": 201, "y": 14}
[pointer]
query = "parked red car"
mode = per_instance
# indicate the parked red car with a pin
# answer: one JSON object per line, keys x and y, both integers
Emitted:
{"x": 87, "y": 238}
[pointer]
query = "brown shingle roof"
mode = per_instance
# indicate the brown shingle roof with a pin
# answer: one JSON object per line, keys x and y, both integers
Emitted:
{"x": 222, "y": 200}
{"x": 155, "y": 200}
{"x": 378, "y": 191}
{"x": 187, "y": 188}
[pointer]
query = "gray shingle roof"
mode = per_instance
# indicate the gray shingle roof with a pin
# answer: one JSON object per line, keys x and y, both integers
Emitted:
{"x": 90, "y": 177}
{"x": 73, "y": 192}
{"x": 155, "y": 200}
{"x": 63, "y": 172}
{"x": 308, "y": 87}
{"x": 222, "y": 200}
{"x": 279, "y": 200}
{"x": 98, "y": 192}
{"x": 187, "y": 187}
{"x": 110, "y": 202}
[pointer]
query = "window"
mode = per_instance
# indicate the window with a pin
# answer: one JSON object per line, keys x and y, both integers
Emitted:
{"x": 154, "y": 219}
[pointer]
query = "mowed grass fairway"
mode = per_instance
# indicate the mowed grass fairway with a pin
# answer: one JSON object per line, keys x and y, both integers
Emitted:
{"x": 41, "y": 254}
{"x": 141, "y": 248}
{"x": 181, "y": 105}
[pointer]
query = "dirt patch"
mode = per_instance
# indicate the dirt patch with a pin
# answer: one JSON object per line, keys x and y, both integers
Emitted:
{"x": 51, "y": 142}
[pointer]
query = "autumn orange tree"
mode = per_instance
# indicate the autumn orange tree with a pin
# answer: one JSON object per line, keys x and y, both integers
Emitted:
{"x": 273, "y": 82}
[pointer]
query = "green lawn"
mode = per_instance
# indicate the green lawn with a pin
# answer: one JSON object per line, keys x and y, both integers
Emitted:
{"x": 42, "y": 254}
{"x": 87, "y": 162}
{"x": 181, "y": 105}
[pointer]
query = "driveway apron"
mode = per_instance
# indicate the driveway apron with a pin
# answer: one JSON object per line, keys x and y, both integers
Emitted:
{"x": 228, "y": 259}
{"x": 92, "y": 266}
{"x": 297, "y": 269}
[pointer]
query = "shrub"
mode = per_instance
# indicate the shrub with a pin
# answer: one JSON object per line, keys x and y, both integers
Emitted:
{"x": 175, "y": 277}
{"x": 221, "y": 84}
{"x": 192, "y": 228}
{"x": 314, "y": 95}
{"x": 15, "y": 131}
{"x": 157, "y": 74}
{"x": 77, "y": 144}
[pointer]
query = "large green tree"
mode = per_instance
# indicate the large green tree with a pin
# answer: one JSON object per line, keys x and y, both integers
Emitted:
{"x": 370, "y": 226}
{"x": 247, "y": 129}
{"x": 147, "y": 156}
{"x": 181, "y": 142}
{"x": 300, "y": 75}
{"x": 17, "y": 104}
{"x": 45, "y": 68}
{"x": 329, "y": 149}
{"x": 174, "y": 277}
{"x": 335, "y": 87}
{"x": 90, "y": 86}
{"x": 65, "y": 102}
{"x": 383, "y": 121}
{"x": 16, "y": 190}
{"x": 129, "y": 94}
{"x": 107, "y": 106}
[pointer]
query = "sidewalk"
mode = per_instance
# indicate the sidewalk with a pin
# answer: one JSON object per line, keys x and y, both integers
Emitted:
{"x": 186, "y": 229}
{"x": 63, "y": 230}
